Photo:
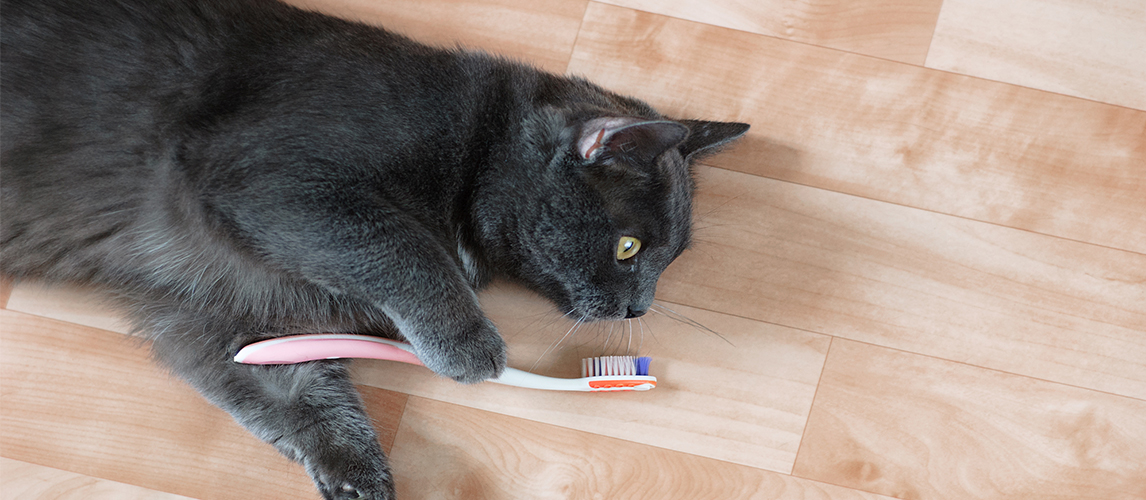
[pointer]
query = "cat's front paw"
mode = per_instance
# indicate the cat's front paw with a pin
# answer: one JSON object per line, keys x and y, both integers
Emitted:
{"x": 474, "y": 354}
{"x": 341, "y": 479}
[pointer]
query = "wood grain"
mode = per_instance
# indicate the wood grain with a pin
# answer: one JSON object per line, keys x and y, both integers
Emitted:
{"x": 918, "y": 281}
{"x": 825, "y": 224}
{"x": 899, "y": 30}
{"x": 25, "y": 481}
{"x": 1085, "y": 48}
{"x": 537, "y": 31}
{"x": 911, "y": 426}
{"x": 907, "y": 135}
{"x": 90, "y": 402}
{"x": 385, "y": 409}
{"x": 447, "y": 451}
{"x": 5, "y": 291}
{"x": 744, "y": 400}
{"x": 767, "y": 374}
{"x": 71, "y": 304}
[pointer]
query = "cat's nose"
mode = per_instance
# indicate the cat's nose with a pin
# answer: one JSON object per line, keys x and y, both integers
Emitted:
{"x": 635, "y": 313}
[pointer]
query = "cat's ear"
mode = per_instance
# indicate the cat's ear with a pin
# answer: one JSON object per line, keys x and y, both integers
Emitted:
{"x": 707, "y": 137}
{"x": 638, "y": 140}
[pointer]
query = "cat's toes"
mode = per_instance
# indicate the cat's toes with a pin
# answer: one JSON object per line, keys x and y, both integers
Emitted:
{"x": 359, "y": 490}
{"x": 350, "y": 492}
{"x": 347, "y": 492}
{"x": 347, "y": 480}
{"x": 474, "y": 355}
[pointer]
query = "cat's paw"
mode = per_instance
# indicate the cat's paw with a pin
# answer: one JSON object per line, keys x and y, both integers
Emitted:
{"x": 474, "y": 354}
{"x": 350, "y": 492}
{"x": 342, "y": 480}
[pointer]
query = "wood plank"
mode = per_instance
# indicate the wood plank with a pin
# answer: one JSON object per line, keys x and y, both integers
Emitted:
{"x": 541, "y": 32}
{"x": 448, "y": 451}
{"x": 918, "y": 281}
{"x": 912, "y": 136}
{"x": 90, "y": 402}
{"x": 25, "y": 481}
{"x": 899, "y": 30}
{"x": 1085, "y": 48}
{"x": 743, "y": 401}
{"x": 67, "y": 303}
{"x": 385, "y": 409}
{"x": 5, "y": 291}
{"x": 911, "y": 426}
{"x": 769, "y": 373}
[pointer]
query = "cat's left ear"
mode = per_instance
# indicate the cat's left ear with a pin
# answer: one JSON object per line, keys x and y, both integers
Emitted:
{"x": 638, "y": 140}
{"x": 707, "y": 137}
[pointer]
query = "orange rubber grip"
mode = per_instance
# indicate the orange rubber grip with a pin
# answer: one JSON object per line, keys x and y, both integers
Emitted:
{"x": 610, "y": 384}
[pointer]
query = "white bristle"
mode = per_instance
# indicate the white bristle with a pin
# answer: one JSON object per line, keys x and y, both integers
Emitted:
{"x": 608, "y": 365}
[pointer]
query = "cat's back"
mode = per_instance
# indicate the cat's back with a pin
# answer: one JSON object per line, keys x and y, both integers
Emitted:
{"x": 86, "y": 79}
{"x": 104, "y": 70}
{"x": 121, "y": 117}
{"x": 92, "y": 96}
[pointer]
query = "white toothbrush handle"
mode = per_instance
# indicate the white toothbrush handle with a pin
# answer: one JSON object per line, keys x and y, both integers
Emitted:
{"x": 519, "y": 378}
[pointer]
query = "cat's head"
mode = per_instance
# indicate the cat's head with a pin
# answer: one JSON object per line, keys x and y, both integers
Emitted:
{"x": 606, "y": 207}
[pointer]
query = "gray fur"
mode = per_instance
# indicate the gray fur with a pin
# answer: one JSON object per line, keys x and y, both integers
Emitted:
{"x": 236, "y": 170}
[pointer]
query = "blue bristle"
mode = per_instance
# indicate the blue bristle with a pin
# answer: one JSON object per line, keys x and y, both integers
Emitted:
{"x": 643, "y": 365}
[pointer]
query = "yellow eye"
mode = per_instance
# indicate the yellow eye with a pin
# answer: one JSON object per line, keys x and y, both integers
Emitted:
{"x": 628, "y": 247}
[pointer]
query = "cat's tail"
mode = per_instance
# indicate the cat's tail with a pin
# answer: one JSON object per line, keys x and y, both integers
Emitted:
{"x": 604, "y": 374}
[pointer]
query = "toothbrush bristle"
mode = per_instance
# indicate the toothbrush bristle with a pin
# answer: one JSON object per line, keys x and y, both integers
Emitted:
{"x": 643, "y": 365}
{"x": 615, "y": 365}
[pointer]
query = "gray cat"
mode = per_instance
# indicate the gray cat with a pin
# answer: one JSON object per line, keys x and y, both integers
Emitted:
{"x": 236, "y": 170}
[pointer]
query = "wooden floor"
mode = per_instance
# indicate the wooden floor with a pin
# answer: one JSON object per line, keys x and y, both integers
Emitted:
{"x": 926, "y": 264}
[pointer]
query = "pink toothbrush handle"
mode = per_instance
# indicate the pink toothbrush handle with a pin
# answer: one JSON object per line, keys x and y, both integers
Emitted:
{"x": 299, "y": 348}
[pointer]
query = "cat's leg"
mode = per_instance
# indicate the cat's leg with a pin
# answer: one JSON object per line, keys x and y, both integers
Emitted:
{"x": 383, "y": 257}
{"x": 310, "y": 412}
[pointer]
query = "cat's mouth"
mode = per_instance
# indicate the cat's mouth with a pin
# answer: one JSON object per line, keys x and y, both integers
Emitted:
{"x": 596, "y": 303}
{"x": 592, "y": 310}
{"x": 597, "y": 316}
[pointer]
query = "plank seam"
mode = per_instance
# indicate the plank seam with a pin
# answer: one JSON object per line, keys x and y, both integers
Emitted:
{"x": 905, "y": 351}
{"x": 928, "y": 210}
{"x": 808, "y": 419}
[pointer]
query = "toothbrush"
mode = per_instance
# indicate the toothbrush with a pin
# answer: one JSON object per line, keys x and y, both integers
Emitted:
{"x": 603, "y": 374}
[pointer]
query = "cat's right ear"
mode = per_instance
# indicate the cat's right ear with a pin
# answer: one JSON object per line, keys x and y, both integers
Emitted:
{"x": 707, "y": 137}
{"x": 641, "y": 141}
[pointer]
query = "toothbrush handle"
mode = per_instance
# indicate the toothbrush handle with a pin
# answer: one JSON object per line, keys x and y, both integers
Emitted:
{"x": 519, "y": 378}
{"x": 300, "y": 348}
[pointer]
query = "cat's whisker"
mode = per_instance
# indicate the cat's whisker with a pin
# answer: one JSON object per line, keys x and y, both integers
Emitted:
{"x": 609, "y": 337}
{"x": 641, "y": 342}
{"x": 674, "y": 315}
{"x": 626, "y": 332}
{"x": 629, "y": 347}
{"x": 576, "y": 326}
{"x": 537, "y": 326}
{"x": 654, "y": 335}
{"x": 585, "y": 340}
{"x": 717, "y": 209}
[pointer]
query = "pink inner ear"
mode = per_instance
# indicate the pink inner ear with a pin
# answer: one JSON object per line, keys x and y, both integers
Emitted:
{"x": 596, "y": 132}
{"x": 596, "y": 144}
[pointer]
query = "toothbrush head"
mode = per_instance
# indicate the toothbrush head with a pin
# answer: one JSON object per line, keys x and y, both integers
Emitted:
{"x": 618, "y": 373}
{"x": 615, "y": 365}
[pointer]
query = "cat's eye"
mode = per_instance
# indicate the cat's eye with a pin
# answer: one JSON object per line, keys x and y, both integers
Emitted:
{"x": 628, "y": 247}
